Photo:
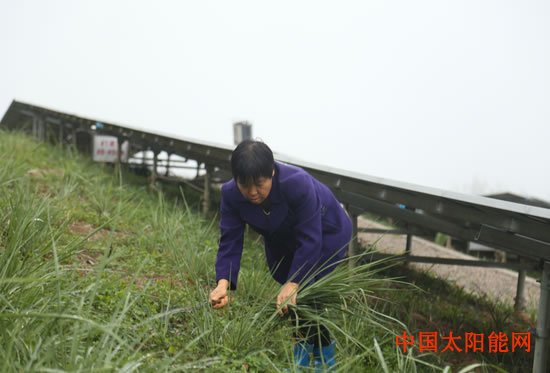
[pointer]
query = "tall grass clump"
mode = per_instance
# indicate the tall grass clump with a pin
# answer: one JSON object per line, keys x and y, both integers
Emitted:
{"x": 50, "y": 316}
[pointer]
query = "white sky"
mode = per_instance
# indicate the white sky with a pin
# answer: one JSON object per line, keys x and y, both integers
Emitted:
{"x": 447, "y": 94}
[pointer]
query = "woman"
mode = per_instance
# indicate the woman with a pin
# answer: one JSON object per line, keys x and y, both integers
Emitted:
{"x": 304, "y": 227}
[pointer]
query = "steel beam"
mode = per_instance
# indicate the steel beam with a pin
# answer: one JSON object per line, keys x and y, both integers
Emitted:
{"x": 451, "y": 261}
{"x": 483, "y": 234}
{"x": 383, "y": 231}
{"x": 446, "y": 208}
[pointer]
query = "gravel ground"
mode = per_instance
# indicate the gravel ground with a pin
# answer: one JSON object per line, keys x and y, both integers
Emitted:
{"x": 496, "y": 283}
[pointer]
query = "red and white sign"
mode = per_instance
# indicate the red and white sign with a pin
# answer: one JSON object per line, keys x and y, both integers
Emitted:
{"x": 106, "y": 149}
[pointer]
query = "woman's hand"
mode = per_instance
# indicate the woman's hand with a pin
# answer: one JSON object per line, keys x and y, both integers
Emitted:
{"x": 286, "y": 296}
{"x": 218, "y": 296}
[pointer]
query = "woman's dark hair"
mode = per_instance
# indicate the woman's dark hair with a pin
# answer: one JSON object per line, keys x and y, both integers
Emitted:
{"x": 251, "y": 160}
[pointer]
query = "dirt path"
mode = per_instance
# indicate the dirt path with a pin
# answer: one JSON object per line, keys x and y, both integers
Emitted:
{"x": 496, "y": 283}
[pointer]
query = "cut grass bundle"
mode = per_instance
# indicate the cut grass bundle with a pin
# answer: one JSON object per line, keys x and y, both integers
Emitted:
{"x": 353, "y": 285}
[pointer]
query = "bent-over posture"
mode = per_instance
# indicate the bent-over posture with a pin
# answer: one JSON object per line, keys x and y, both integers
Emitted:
{"x": 305, "y": 231}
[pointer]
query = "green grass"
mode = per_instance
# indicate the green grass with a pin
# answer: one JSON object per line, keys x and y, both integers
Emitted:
{"x": 99, "y": 274}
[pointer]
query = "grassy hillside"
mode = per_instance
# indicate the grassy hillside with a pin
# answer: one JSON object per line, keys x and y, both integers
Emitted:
{"x": 99, "y": 274}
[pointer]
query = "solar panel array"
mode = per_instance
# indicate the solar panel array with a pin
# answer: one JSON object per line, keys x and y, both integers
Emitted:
{"x": 521, "y": 229}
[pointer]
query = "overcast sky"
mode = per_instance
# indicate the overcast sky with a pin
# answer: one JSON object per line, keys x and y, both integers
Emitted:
{"x": 447, "y": 94}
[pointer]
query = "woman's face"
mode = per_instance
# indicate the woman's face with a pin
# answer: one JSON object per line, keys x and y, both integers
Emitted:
{"x": 257, "y": 191}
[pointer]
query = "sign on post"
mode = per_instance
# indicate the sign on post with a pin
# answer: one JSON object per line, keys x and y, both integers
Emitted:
{"x": 106, "y": 149}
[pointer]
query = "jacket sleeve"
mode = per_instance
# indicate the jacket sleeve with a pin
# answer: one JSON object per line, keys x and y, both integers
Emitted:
{"x": 308, "y": 229}
{"x": 230, "y": 247}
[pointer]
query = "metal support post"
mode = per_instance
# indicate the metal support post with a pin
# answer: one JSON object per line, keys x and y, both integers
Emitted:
{"x": 41, "y": 129}
{"x": 408, "y": 244}
{"x": 73, "y": 139}
{"x": 353, "y": 248}
{"x": 154, "y": 173}
{"x": 119, "y": 151}
{"x": 118, "y": 165}
{"x": 61, "y": 142}
{"x": 519, "y": 304}
{"x": 35, "y": 127}
{"x": 155, "y": 163}
{"x": 167, "y": 173}
{"x": 206, "y": 195}
{"x": 541, "y": 338}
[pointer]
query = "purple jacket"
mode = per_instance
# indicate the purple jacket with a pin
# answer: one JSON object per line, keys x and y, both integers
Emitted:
{"x": 307, "y": 230}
